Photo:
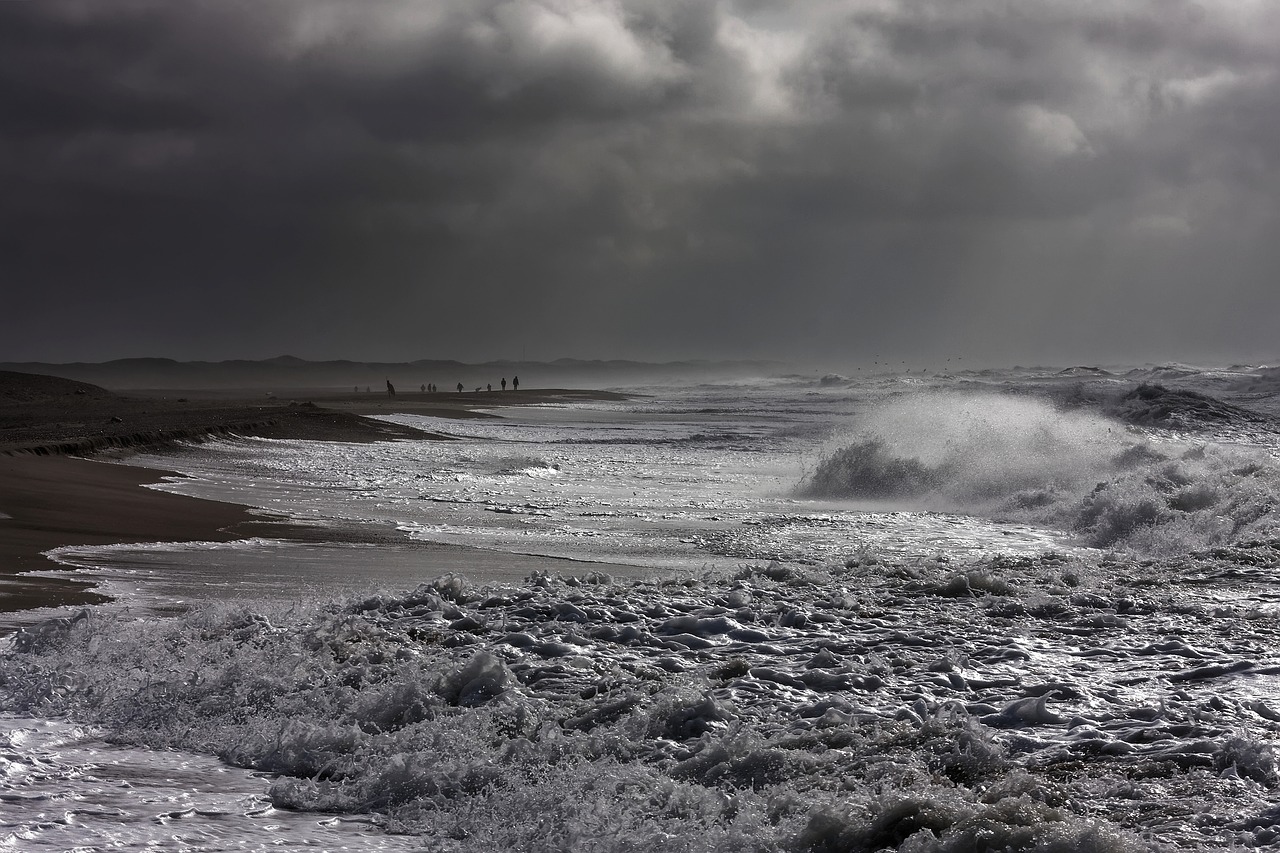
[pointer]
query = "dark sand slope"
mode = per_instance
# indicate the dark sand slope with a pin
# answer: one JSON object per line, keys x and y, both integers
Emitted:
{"x": 58, "y": 500}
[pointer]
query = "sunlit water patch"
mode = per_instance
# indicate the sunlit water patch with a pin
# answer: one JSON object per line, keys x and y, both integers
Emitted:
{"x": 62, "y": 787}
{"x": 165, "y": 577}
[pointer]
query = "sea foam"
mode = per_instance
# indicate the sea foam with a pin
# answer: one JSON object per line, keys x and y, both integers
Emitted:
{"x": 878, "y": 705}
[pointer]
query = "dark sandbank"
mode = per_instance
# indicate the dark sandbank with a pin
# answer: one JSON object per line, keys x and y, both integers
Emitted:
{"x": 50, "y": 499}
{"x": 46, "y": 415}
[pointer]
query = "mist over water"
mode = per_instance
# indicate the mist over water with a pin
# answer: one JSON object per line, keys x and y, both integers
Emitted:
{"x": 962, "y": 451}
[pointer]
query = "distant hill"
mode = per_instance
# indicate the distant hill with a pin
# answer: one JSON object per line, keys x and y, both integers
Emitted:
{"x": 16, "y": 387}
{"x": 289, "y": 372}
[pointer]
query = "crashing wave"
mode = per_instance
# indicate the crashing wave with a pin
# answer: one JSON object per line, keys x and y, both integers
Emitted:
{"x": 1020, "y": 459}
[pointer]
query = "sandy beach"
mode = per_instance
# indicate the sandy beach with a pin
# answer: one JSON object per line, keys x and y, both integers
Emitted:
{"x": 51, "y": 495}
{"x": 48, "y": 501}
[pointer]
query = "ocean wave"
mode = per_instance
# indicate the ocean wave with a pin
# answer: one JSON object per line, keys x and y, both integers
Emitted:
{"x": 1022, "y": 459}
{"x": 1156, "y": 405}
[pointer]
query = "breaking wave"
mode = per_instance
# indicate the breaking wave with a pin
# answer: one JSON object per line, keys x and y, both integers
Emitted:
{"x": 1022, "y": 459}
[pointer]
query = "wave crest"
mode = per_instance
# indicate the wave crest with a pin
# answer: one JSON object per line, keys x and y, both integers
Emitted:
{"x": 1023, "y": 460}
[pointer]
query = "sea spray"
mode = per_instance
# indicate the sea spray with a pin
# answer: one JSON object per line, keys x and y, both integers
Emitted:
{"x": 1015, "y": 458}
{"x": 948, "y": 450}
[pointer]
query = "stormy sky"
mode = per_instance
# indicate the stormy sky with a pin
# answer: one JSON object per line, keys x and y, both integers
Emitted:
{"x": 834, "y": 182}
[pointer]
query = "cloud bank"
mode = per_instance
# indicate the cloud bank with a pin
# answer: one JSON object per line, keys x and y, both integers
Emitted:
{"x": 500, "y": 179}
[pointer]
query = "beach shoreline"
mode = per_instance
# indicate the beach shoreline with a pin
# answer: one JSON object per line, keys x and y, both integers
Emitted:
{"x": 52, "y": 501}
{"x": 58, "y": 489}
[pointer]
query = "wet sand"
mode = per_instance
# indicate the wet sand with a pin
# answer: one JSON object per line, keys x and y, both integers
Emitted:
{"x": 49, "y": 498}
{"x": 48, "y": 501}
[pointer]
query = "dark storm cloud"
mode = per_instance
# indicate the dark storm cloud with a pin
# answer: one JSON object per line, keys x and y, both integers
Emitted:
{"x": 400, "y": 179}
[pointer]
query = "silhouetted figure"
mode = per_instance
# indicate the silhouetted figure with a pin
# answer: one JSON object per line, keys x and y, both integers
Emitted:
{"x": 459, "y": 387}
{"x": 515, "y": 383}
{"x": 489, "y": 387}
{"x": 424, "y": 389}
{"x": 504, "y": 383}
{"x": 391, "y": 389}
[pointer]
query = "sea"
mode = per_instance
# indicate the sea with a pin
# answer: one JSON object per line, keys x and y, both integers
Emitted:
{"x": 1008, "y": 610}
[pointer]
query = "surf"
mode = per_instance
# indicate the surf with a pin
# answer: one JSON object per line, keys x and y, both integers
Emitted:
{"x": 1019, "y": 458}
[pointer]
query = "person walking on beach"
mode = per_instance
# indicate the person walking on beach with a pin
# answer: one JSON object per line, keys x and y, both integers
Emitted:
{"x": 459, "y": 387}
{"x": 504, "y": 383}
{"x": 515, "y": 383}
{"x": 391, "y": 389}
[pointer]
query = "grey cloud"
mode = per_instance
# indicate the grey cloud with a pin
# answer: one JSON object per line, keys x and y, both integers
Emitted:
{"x": 642, "y": 179}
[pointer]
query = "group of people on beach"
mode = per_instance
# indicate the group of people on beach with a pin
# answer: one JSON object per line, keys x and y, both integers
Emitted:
{"x": 515, "y": 385}
{"x": 431, "y": 389}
